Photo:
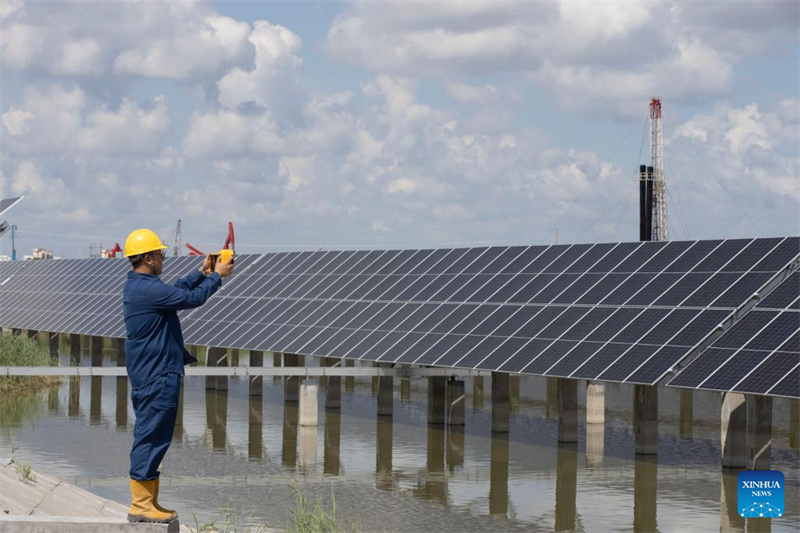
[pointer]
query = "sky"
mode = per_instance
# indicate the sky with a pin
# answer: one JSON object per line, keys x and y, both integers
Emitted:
{"x": 394, "y": 124}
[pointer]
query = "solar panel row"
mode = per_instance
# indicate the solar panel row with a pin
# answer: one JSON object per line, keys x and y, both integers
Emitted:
{"x": 759, "y": 354}
{"x": 620, "y": 312}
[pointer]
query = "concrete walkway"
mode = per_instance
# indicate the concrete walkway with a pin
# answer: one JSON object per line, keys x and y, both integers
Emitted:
{"x": 50, "y": 505}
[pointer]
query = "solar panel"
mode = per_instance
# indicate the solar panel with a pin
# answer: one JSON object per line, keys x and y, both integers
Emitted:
{"x": 6, "y": 203}
{"x": 759, "y": 354}
{"x": 626, "y": 312}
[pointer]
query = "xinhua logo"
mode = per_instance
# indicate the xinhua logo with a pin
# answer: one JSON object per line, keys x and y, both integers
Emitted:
{"x": 760, "y": 494}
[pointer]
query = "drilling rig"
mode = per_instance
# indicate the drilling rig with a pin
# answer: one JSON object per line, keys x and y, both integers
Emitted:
{"x": 652, "y": 187}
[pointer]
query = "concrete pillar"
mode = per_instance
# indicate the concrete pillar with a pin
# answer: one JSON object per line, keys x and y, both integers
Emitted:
{"x": 566, "y": 484}
{"x": 645, "y": 419}
{"x": 255, "y": 426}
{"x": 567, "y": 410}
{"x": 289, "y": 442}
{"x": 97, "y": 351}
{"x": 383, "y": 455}
{"x": 794, "y": 424}
{"x": 477, "y": 392}
{"x": 308, "y": 403}
{"x": 291, "y": 387}
{"x": 118, "y": 346}
{"x": 733, "y": 430}
{"x": 333, "y": 393}
{"x": 276, "y": 363}
{"x": 375, "y": 380}
{"x": 405, "y": 389}
{"x": 349, "y": 381}
{"x": 498, "y": 475}
{"x": 331, "y": 454}
{"x": 595, "y": 402}
{"x": 32, "y": 334}
{"x": 456, "y": 402}
{"x": 645, "y": 489}
{"x": 730, "y": 519}
{"x": 75, "y": 349}
{"x": 385, "y": 396}
{"x": 500, "y": 402}
{"x": 551, "y": 406}
{"x": 256, "y": 382}
{"x": 686, "y": 420}
{"x": 759, "y": 432}
{"x": 216, "y": 357}
{"x": 53, "y": 339}
{"x": 513, "y": 390}
{"x": 16, "y": 331}
{"x": 436, "y": 399}
{"x": 233, "y": 355}
{"x": 53, "y": 402}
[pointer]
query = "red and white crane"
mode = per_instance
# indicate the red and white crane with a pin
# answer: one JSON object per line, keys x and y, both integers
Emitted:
{"x": 660, "y": 230}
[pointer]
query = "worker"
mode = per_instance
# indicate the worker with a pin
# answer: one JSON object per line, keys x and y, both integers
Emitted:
{"x": 155, "y": 357}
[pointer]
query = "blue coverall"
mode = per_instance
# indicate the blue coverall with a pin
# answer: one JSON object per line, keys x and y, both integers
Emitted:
{"x": 155, "y": 355}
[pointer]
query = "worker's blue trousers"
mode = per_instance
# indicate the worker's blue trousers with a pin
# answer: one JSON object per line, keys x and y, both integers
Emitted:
{"x": 156, "y": 409}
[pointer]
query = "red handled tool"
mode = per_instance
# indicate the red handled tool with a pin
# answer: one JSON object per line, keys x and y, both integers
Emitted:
{"x": 226, "y": 254}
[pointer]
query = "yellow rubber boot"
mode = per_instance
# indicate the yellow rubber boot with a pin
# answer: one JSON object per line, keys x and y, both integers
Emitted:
{"x": 142, "y": 508}
{"x": 158, "y": 506}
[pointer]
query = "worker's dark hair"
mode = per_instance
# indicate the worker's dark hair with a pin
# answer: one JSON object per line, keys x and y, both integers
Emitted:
{"x": 136, "y": 261}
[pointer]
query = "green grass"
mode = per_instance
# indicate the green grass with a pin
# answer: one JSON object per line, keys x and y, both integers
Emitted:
{"x": 24, "y": 472}
{"x": 19, "y": 350}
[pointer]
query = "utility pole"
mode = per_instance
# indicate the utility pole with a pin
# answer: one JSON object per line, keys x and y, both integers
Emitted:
{"x": 13, "y": 242}
{"x": 176, "y": 249}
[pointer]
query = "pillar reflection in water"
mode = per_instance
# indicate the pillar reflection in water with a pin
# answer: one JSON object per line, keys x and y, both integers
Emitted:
{"x": 74, "y": 407}
{"x": 52, "y": 399}
{"x": 333, "y": 431}
{"x": 566, "y": 485}
{"x": 729, "y": 518}
{"x": 122, "y": 403}
{"x": 289, "y": 445}
{"x": 551, "y": 409}
{"x": 217, "y": 418}
{"x": 177, "y": 434}
{"x": 477, "y": 392}
{"x": 95, "y": 400}
{"x": 383, "y": 454}
{"x": 645, "y": 489}
{"x": 686, "y": 421}
{"x": 255, "y": 441}
{"x": 308, "y": 448}
{"x": 595, "y": 444}
{"x": 498, "y": 476}
{"x": 455, "y": 447}
{"x": 434, "y": 484}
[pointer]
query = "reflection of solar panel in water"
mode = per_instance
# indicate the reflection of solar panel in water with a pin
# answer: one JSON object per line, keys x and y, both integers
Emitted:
{"x": 759, "y": 354}
{"x": 619, "y": 312}
{"x": 6, "y": 203}
{"x": 623, "y": 312}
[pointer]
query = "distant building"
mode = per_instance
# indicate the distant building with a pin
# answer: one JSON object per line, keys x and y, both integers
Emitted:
{"x": 39, "y": 253}
{"x": 5, "y": 258}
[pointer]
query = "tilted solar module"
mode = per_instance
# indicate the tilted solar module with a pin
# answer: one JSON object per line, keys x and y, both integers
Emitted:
{"x": 759, "y": 354}
{"x": 82, "y": 296}
{"x": 6, "y": 203}
{"x": 619, "y": 312}
{"x": 626, "y": 312}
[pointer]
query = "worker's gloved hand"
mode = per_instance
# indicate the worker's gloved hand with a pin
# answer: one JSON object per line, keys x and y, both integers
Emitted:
{"x": 223, "y": 269}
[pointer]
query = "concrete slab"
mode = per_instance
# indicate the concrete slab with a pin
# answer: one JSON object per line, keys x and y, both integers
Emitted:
{"x": 80, "y": 524}
{"x": 69, "y": 500}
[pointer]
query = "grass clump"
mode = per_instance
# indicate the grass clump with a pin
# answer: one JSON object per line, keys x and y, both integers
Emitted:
{"x": 24, "y": 472}
{"x": 307, "y": 518}
{"x": 19, "y": 350}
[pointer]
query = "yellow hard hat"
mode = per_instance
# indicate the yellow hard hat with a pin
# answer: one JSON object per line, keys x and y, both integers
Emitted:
{"x": 142, "y": 241}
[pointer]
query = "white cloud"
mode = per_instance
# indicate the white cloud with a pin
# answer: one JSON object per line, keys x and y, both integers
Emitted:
{"x": 402, "y": 185}
{"x": 464, "y": 92}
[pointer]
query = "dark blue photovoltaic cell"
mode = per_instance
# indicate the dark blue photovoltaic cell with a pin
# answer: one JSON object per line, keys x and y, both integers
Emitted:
{"x": 782, "y": 255}
{"x": 620, "y": 254}
{"x": 751, "y": 256}
{"x": 525, "y": 258}
{"x": 657, "y": 367}
{"x": 668, "y": 255}
{"x": 525, "y": 355}
{"x": 692, "y": 256}
{"x": 788, "y": 386}
{"x": 549, "y": 357}
{"x": 783, "y": 295}
{"x": 591, "y": 358}
{"x": 765, "y": 374}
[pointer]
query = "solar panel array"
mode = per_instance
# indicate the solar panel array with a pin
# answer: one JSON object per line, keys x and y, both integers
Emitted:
{"x": 759, "y": 354}
{"x": 6, "y": 203}
{"x": 624, "y": 312}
